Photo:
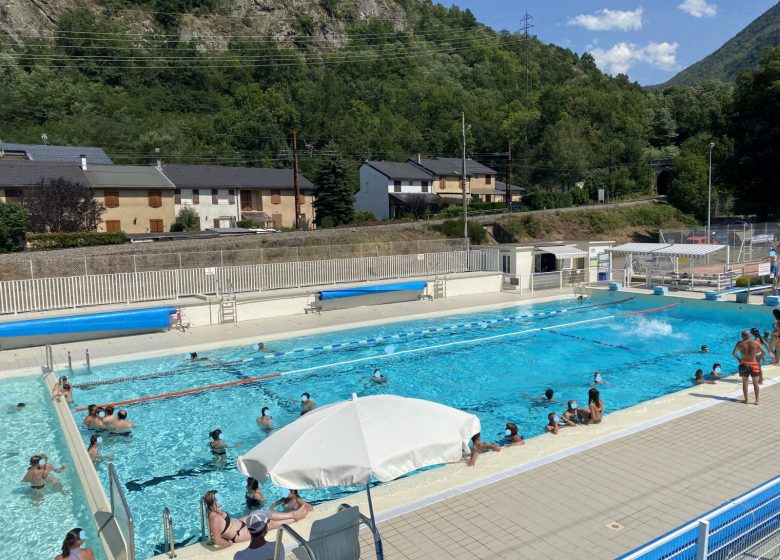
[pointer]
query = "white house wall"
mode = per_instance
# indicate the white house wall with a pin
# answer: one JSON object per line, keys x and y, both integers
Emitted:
{"x": 207, "y": 210}
{"x": 372, "y": 196}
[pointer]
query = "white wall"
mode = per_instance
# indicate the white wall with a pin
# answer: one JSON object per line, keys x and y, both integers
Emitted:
{"x": 372, "y": 196}
{"x": 208, "y": 211}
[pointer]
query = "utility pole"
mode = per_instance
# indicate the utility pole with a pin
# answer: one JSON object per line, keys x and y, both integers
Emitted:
{"x": 526, "y": 26}
{"x": 463, "y": 183}
{"x": 509, "y": 180}
{"x": 296, "y": 185}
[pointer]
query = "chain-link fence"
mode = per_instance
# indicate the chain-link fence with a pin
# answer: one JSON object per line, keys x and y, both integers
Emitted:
{"x": 49, "y": 265}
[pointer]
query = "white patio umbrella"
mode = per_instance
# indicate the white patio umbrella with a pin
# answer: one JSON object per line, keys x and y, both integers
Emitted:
{"x": 343, "y": 444}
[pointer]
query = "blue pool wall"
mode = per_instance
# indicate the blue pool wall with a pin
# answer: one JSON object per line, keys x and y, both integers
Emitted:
{"x": 71, "y": 328}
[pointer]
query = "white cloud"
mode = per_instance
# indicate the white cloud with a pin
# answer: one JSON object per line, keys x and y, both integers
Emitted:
{"x": 699, "y": 8}
{"x": 621, "y": 57}
{"x": 604, "y": 20}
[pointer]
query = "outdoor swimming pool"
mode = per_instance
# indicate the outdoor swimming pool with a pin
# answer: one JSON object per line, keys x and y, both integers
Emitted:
{"x": 35, "y": 522}
{"x": 484, "y": 368}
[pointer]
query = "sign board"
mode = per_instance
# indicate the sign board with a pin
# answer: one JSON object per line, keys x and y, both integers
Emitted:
{"x": 210, "y": 271}
{"x": 420, "y": 257}
{"x": 601, "y": 195}
{"x": 604, "y": 262}
{"x": 764, "y": 269}
{"x": 763, "y": 238}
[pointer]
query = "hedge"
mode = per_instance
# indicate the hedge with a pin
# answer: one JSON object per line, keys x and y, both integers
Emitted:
{"x": 43, "y": 241}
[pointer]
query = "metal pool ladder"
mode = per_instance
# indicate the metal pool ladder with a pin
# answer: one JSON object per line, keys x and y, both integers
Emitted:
{"x": 205, "y": 528}
{"x": 167, "y": 522}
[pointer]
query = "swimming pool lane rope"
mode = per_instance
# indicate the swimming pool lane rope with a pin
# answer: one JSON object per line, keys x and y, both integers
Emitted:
{"x": 378, "y": 357}
{"x": 338, "y": 346}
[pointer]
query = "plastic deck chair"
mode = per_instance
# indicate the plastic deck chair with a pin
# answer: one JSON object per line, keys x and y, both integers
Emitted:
{"x": 332, "y": 538}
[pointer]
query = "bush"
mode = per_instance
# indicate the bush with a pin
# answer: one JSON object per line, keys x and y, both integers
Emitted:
{"x": 188, "y": 219}
{"x": 13, "y": 225}
{"x": 745, "y": 281}
{"x": 250, "y": 224}
{"x": 363, "y": 216}
{"x": 454, "y": 229}
{"x": 43, "y": 241}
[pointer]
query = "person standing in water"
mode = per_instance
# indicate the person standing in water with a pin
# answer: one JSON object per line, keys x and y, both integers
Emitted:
{"x": 307, "y": 405}
{"x": 266, "y": 420}
{"x": 748, "y": 353}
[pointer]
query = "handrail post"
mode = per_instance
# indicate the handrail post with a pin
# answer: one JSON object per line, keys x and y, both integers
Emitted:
{"x": 702, "y": 539}
{"x": 87, "y": 356}
{"x": 70, "y": 363}
{"x": 205, "y": 529}
{"x": 169, "y": 545}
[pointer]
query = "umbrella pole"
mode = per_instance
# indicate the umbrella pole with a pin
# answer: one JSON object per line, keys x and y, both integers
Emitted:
{"x": 380, "y": 554}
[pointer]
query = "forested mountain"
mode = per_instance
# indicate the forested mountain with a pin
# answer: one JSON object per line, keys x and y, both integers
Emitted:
{"x": 387, "y": 86}
{"x": 739, "y": 53}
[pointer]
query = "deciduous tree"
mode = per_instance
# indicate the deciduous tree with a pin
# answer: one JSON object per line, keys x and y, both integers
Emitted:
{"x": 62, "y": 205}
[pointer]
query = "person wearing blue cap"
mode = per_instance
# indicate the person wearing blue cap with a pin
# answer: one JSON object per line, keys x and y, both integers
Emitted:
{"x": 72, "y": 546}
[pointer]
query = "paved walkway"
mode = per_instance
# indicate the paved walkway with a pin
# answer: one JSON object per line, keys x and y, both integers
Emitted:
{"x": 648, "y": 483}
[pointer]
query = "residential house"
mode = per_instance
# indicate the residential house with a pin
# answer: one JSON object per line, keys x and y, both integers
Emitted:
{"x": 53, "y": 154}
{"x": 224, "y": 195}
{"x": 447, "y": 173}
{"x": 497, "y": 192}
{"x": 138, "y": 198}
{"x": 16, "y": 176}
{"x": 391, "y": 189}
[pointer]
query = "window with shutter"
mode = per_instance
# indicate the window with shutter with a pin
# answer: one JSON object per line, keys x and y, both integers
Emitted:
{"x": 488, "y": 179}
{"x": 111, "y": 199}
{"x": 276, "y": 197}
{"x": 396, "y": 186}
{"x": 215, "y": 196}
{"x": 442, "y": 183}
{"x": 424, "y": 186}
{"x": 155, "y": 199}
{"x": 231, "y": 196}
{"x": 216, "y": 222}
{"x": 195, "y": 196}
{"x": 156, "y": 226}
{"x": 113, "y": 225}
{"x": 177, "y": 196}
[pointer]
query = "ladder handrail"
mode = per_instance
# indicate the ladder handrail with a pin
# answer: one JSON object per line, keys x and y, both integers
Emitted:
{"x": 205, "y": 528}
{"x": 167, "y": 521}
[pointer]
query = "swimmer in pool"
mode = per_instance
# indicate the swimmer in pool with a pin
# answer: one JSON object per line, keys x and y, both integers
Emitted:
{"x": 307, "y": 405}
{"x": 698, "y": 378}
{"x": 704, "y": 349}
{"x": 377, "y": 378}
{"x": 217, "y": 445}
{"x": 17, "y": 407}
{"x": 292, "y": 502}
{"x": 262, "y": 348}
{"x": 266, "y": 420}
{"x": 195, "y": 358}
{"x": 477, "y": 446}
{"x": 39, "y": 472}
{"x": 92, "y": 420}
{"x": 62, "y": 389}
{"x": 511, "y": 435}
{"x": 715, "y": 373}
{"x": 598, "y": 379}
{"x": 546, "y": 398}
{"x": 93, "y": 452}
{"x": 576, "y": 415}
{"x": 555, "y": 422}
{"x": 122, "y": 425}
{"x": 108, "y": 417}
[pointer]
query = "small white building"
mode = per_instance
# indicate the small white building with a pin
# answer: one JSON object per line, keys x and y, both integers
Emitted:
{"x": 387, "y": 188}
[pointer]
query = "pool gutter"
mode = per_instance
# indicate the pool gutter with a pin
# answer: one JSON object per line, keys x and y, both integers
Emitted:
{"x": 99, "y": 505}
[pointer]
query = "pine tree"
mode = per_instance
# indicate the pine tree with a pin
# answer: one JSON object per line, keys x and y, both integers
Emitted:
{"x": 334, "y": 194}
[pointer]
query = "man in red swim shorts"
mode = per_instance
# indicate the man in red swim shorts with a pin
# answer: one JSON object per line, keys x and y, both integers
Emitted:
{"x": 748, "y": 353}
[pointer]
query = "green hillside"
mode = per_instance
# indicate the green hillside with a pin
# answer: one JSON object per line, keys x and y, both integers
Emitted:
{"x": 741, "y": 52}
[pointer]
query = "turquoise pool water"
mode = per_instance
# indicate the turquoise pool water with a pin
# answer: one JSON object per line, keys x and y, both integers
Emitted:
{"x": 489, "y": 368}
{"x": 35, "y": 522}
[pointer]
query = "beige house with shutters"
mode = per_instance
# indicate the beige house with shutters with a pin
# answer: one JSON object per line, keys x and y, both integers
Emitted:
{"x": 138, "y": 199}
{"x": 223, "y": 196}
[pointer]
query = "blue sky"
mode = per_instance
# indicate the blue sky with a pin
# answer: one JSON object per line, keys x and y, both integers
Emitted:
{"x": 650, "y": 40}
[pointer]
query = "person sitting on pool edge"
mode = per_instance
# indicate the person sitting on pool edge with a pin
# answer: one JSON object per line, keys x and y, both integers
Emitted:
{"x": 698, "y": 378}
{"x": 595, "y": 407}
{"x": 512, "y": 437}
{"x": 477, "y": 446}
{"x": 554, "y": 423}
{"x": 307, "y": 405}
{"x": 122, "y": 425}
{"x": 63, "y": 389}
{"x": 227, "y": 531}
{"x": 266, "y": 420}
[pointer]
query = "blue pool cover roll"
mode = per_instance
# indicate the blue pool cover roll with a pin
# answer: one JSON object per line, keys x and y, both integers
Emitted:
{"x": 156, "y": 318}
{"x": 372, "y": 290}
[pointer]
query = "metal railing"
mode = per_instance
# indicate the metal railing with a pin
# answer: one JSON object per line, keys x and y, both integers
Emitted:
{"x": 205, "y": 528}
{"x": 747, "y": 527}
{"x": 77, "y": 291}
{"x": 556, "y": 280}
{"x": 168, "y": 542}
{"x": 120, "y": 511}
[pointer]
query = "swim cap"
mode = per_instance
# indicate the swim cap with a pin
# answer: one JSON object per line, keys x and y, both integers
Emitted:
{"x": 82, "y": 535}
{"x": 99, "y": 439}
{"x": 101, "y": 414}
{"x": 41, "y": 462}
{"x": 218, "y": 498}
{"x": 508, "y": 432}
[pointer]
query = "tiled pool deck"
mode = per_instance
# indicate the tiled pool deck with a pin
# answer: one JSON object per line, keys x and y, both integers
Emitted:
{"x": 649, "y": 483}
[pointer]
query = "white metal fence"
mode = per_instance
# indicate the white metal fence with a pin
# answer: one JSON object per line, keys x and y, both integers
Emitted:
{"x": 76, "y": 291}
{"x": 556, "y": 280}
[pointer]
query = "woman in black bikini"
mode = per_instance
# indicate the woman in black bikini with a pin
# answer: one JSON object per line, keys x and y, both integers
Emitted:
{"x": 227, "y": 530}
